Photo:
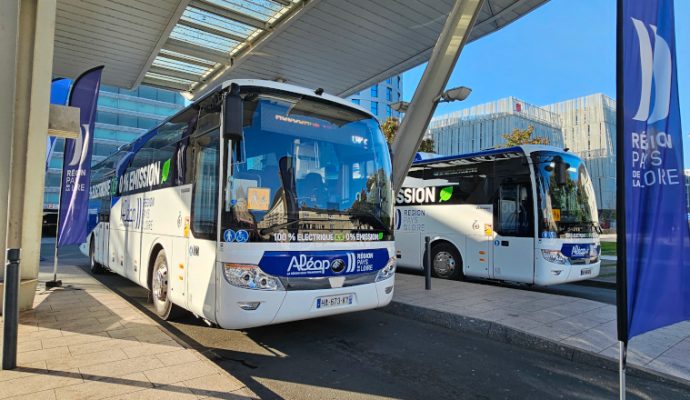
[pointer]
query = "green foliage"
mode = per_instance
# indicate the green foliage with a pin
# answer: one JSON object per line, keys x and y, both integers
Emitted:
{"x": 427, "y": 146}
{"x": 523, "y": 136}
{"x": 390, "y": 128}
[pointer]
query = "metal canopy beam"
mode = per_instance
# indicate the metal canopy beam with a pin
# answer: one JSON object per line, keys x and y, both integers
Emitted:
{"x": 193, "y": 50}
{"x": 162, "y": 83}
{"x": 175, "y": 57}
{"x": 453, "y": 37}
{"x": 155, "y": 69}
{"x": 218, "y": 32}
{"x": 229, "y": 14}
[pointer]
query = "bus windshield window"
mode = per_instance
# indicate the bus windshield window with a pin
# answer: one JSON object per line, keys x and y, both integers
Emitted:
{"x": 567, "y": 209}
{"x": 308, "y": 170}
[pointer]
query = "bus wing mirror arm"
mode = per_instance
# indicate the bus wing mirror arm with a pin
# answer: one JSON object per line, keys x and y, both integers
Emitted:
{"x": 233, "y": 115}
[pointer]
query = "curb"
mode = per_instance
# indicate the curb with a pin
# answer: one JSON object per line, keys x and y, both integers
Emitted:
{"x": 501, "y": 333}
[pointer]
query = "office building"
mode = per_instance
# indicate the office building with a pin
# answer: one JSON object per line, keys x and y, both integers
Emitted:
{"x": 378, "y": 98}
{"x": 589, "y": 129}
{"x": 121, "y": 116}
{"x": 481, "y": 127}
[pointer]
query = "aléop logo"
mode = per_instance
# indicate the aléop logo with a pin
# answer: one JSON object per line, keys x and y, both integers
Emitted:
{"x": 657, "y": 68}
{"x": 310, "y": 264}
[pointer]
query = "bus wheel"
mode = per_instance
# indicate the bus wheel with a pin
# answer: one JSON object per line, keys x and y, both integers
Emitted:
{"x": 160, "y": 289}
{"x": 445, "y": 261}
{"x": 95, "y": 267}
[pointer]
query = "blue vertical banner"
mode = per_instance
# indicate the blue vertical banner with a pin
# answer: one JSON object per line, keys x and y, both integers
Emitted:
{"x": 59, "y": 90}
{"x": 76, "y": 165}
{"x": 654, "y": 251}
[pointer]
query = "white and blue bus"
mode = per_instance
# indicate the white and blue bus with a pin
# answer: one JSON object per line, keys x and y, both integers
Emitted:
{"x": 258, "y": 204}
{"x": 523, "y": 214}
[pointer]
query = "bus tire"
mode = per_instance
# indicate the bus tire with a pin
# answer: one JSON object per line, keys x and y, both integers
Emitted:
{"x": 446, "y": 262}
{"x": 94, "y": 266}
{"x": 160, "y": 289}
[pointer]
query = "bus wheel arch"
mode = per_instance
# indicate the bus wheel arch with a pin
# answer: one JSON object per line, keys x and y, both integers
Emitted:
{"x": 94, "y": 266}
{"x": 446, "y": 260}
{"x": 159, "y": 291}
{"x": 157, "y": 248}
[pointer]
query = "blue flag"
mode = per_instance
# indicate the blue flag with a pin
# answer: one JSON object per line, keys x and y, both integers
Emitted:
{"x": 59, "y": 90}
{"x": 76, "y": 165}
{"x": 655, "y": 288}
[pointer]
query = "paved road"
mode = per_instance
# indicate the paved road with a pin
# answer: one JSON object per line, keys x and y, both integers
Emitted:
{"x": 373, "y": 354}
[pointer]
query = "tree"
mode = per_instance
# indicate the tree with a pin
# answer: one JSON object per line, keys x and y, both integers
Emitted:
{"x": 523, "y": 136}
{"x": 390, "y": 128}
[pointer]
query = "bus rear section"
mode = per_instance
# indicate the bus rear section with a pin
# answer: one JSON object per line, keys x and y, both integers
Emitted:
{"x": 287, "y": 218}
{"x": 484, "y": 214}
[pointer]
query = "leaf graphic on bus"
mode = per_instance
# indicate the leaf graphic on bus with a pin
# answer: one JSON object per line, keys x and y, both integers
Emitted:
{"x": 165, "y": 171}
{"x": 446, "y": 192}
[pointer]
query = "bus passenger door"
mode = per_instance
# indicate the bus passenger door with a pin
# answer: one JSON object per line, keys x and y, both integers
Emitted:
{"x": 513, "y": 244}
{"x": 176, "y": 210}
{"x": 409, "y": 223}
{"x": 133, "y": 227}
{"x": 476, "y": 260}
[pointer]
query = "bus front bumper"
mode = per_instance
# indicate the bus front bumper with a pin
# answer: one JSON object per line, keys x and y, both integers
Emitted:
{"x": 235, "y": 304}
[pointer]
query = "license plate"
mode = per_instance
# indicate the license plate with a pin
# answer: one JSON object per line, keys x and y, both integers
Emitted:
{"x": 586, "y": 271}
{"x": 334, "y": 301}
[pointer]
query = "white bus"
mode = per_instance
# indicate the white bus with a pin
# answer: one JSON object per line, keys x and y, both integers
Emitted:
{"x": 301, "y": 227}
{"x": 523, "y": 214}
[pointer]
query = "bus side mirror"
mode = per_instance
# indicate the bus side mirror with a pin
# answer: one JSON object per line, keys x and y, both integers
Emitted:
{"x": 233, "y": 115}
{"x": 561, "y": 168}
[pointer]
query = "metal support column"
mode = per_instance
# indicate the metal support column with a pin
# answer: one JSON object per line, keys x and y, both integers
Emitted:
{"x": 443, "y": 58}
{"x": 33, "y": 33}
{"x": 10, "y": 310}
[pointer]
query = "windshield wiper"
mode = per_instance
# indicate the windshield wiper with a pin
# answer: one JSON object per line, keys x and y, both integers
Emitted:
{"x": 578, "y": 224}
{"x": 273, "y": 228}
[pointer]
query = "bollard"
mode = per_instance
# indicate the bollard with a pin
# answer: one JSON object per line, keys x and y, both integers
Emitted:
{"x": 10, "y": 310}
{"x": 427, "y": 268}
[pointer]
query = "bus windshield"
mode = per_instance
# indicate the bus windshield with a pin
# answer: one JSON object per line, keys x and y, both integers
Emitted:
{"x": 567, "y": 210}
{"x": 308, "y": 170}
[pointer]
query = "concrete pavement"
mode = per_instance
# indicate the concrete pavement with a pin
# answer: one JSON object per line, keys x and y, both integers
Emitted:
{"x": 83, "y": 341}
{"x": 568, "y": 326}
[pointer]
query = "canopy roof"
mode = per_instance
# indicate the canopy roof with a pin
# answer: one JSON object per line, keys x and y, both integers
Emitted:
{"x": 193, "y": 45}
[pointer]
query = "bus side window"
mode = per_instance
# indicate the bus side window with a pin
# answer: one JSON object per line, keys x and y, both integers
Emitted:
{"x": 205, "y": 189}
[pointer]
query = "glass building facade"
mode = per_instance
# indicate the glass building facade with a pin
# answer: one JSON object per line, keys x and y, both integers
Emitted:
{"x": 121, "y": 116}
{"x": 378, "y": 98}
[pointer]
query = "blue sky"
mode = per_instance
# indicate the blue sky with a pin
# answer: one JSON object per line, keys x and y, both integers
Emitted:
{"x": 562, "y": 50}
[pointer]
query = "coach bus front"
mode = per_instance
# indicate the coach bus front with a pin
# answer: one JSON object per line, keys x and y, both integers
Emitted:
{"x": 568, "y": 246}
{"x": 306, "y": 210}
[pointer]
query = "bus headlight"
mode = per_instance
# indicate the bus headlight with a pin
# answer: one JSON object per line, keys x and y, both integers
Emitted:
{"x": 554, "y": 256}
{"x": 387, "y": 271}
{"x": 249, "y": 276}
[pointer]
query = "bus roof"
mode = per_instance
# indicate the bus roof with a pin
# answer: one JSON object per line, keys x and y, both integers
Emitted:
{"x": 295, "y": 89}
{"x": 523, "y": 149}
{"x": 127, "y": 150}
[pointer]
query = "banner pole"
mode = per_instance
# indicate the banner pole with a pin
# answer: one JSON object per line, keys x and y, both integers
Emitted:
{"x": 621, "y": 267}
{"x": 55, "y": 282}
{"x": 622, "y": 364}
